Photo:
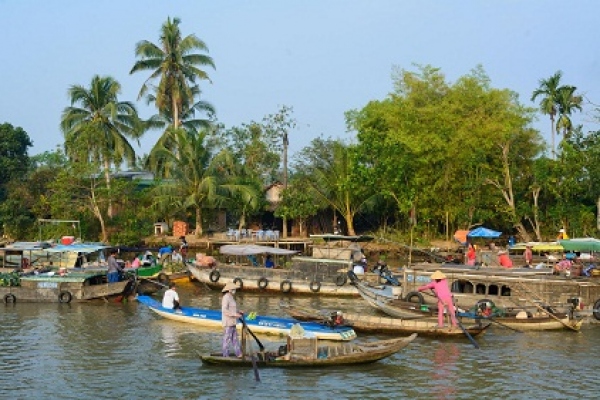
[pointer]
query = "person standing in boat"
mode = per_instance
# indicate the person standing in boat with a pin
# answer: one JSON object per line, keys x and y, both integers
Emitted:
{"x": 229, "y": 317}
{"x": 439, "y": 285}
{"x": 114, "y": 269}
{"x": 183, "y": 247}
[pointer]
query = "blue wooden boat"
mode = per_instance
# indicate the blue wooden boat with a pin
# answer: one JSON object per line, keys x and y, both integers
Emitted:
{"x": 259, "y": 324}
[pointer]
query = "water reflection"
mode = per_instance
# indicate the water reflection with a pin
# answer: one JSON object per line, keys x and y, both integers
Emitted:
{"x": 111, "y": 350}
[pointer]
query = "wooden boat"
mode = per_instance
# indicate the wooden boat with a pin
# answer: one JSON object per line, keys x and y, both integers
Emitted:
{"x": 527, "y": 319}
{"x": 384, "y": 325}
{"x": 310, "y": 353}
{"x": 259, "y": 324}
{"x": 519, "y": 287}
{"x": 54, "y": 288}
{"x": 324, "y": 273}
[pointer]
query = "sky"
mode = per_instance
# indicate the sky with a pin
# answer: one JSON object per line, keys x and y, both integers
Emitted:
{"x": 320, "y": 57}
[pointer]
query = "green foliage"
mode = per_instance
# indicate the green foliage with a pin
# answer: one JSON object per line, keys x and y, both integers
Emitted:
{"x": 14, "y": 160}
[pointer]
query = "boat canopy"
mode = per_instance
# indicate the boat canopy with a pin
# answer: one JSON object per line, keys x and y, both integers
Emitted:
{"x": 78, "y": 248}
{"x": 252, "y": 249}
{"x": 332, "y": 237}
{"x": 581, "y": 244}
{"x": 539, "y": 246}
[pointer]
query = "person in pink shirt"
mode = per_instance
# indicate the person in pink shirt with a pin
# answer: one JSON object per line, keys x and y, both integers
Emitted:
{"x": 439, "y": 285}
{"x": 504, "y": 259}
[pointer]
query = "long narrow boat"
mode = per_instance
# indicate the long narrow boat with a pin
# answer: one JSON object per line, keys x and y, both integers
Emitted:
{"x": 302, "y": 353}
{"x": 384, "y": 325}
{"x": 260, "y": 324}
{"x": 531, "y": 321}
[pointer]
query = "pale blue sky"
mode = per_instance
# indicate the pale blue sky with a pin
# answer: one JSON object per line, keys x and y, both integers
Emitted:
{"x": 321, "y": 57}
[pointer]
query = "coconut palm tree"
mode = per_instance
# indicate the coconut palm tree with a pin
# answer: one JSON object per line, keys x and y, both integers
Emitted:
{"x": 97, "y": 126}
{"x": 548, "y": 89}
{"x": 567, "y": 102}
{"x": 176, "y": 63}
{"x": 197, "y": 179}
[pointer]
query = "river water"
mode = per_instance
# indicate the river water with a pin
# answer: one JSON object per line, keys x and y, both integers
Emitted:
{"x": 109, "y": 350}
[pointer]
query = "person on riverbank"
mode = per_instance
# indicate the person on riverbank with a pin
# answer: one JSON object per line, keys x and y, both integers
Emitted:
{"x": 229, "y": 317}
{"x": 504, "y": 259}
{"x": 114, "y": 269}
{"x": 471, "y": 255}
{"x": 439, "y": 285}
{"x": 183, "y": 247}
{"x": 171, "y": 298}
{"x": 528, "y": 256}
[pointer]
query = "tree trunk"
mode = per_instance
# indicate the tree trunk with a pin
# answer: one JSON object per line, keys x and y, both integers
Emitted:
{"x": 109, "y": 210}
{"x": 199, "y": 222}
{"x": 98, "y": 213}
{"x": 175, "y": 114}
{"x": 507, "y": 192}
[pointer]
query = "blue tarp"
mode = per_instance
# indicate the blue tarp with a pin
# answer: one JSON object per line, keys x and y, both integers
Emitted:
{"x": 482, "y": 232}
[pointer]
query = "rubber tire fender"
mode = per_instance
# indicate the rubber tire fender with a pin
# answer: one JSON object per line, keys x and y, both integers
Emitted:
{"x": 10, "y": 298}
{"x": 239, "y": 282}
{"x": 479, "y": 302}
{"x": 65, "y": 297}
{"x": 341, "y": 280}
{"x": 214, "y": 276}
{"x": 163, "y": 278}
{"x": 418, "y": 295}
{"x": 286, "y": 286}
{"x": 596, "y": 311}
{"x": 315, "y": 286}
{"x": 263, "y": 283}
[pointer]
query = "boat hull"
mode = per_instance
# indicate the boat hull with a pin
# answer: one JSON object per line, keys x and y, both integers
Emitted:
{"x": 261, "y": 324}
{"x": 325, "y": 356}
{"x": 372, "y": 324}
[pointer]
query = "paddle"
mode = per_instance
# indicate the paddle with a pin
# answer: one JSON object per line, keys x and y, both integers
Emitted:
{"x": 460, "y": 325}
{"x": 503, "y": 325}
{"x": 260, "y": 345}
{"x": 524, "y": 291}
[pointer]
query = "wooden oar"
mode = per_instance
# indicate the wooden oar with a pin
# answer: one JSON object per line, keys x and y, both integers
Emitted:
{"x": 503, "y": 325}
{"x": 260, "y": 345}
{"x": 460, "y": 325}
{"x": 524, "y": 292}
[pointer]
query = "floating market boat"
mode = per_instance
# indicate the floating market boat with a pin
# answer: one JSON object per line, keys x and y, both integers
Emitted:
{"x": 259, "y": 324}
{"x": 373, "y": 324}
{"x": 311, "y": 353}
{"x": 325, "y": 272}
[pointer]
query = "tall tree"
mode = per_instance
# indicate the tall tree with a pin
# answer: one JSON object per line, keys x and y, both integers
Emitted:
{"x": 14, "y": 160}
{"x": 177, "y": 64}
{"x": 567, "y": 102}
{"x": 548, "y": 91}
{"x": 97, "y": 126}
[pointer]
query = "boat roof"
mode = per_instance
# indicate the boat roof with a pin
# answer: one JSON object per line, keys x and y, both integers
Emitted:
{"x": 252, "y": 249}
{"x": 78, "y": 248}
{"x": 333, "y": 237}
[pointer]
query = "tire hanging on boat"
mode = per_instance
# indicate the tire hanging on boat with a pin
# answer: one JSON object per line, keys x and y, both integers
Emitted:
{"x": 10, "y": 298}
{"x": 163, "y": 278}
{"x": 596, "y": 311}
{"x": 286, "y": 286}
{"x": 263, "y": 283}
{"x": 420, "y": 300}
{"x": 340, "y": 280}
{"x": 315, "y": 286}
{"x": 65, "y": 297}
{"x": 239, "y": 282}
{"x": 214, "y": 276}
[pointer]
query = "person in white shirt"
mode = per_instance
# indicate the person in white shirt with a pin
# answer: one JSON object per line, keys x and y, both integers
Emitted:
{"x": 176, "y": 257}
{"x": 171, "y": 298}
